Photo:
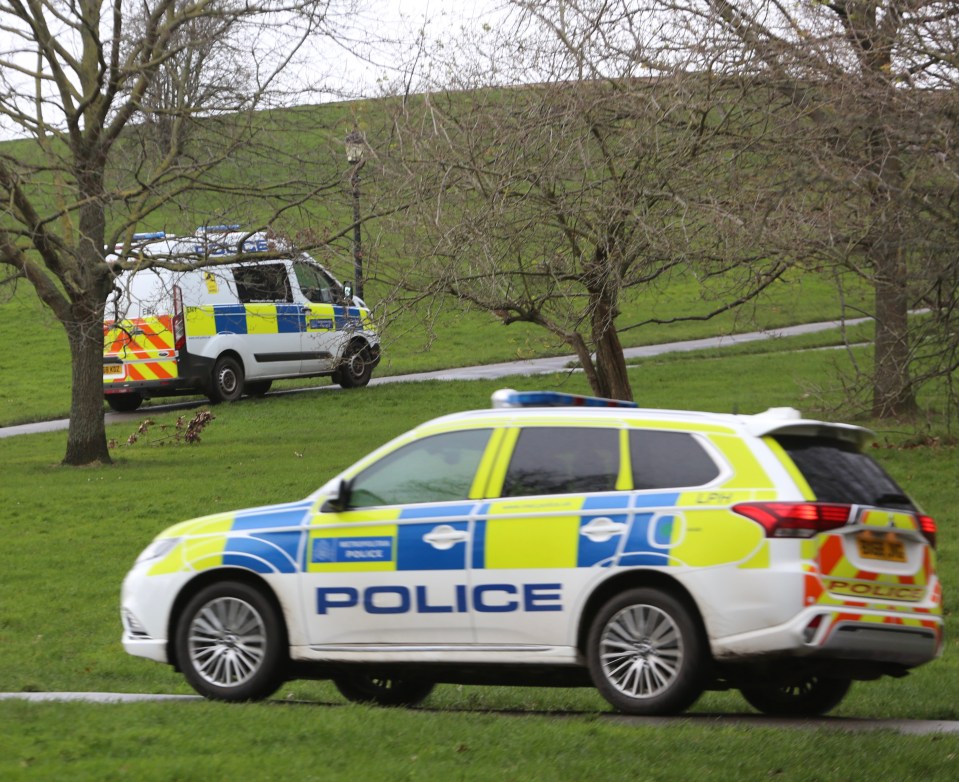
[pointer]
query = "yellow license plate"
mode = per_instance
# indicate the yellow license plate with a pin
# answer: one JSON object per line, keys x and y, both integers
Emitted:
{"x": 113, "y": 369}
{"x": 886, "y": 547}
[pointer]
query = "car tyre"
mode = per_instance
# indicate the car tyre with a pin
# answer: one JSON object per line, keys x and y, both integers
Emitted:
{"x": 124, "y": 403}
{"x": 383, "y": 690}
{"x": 227, "y": 380}
{"x": 231, "y": 643}
{"x": 356, "y": 366}
{"x": 810, "y": 696}
{"x": 646, "y": 653}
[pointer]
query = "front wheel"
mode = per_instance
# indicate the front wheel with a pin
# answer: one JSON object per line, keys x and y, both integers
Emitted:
{"x": 230, "y": 643}
{"x": 809, "y": 696}
{"x": 382, "y": 690}
{"x": 646, "y": 654}
{"x": 227, "y": 380}
{"x": 356, "y": 366}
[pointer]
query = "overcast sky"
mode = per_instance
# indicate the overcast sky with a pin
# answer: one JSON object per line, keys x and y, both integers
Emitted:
{"x": 375, "y": 50}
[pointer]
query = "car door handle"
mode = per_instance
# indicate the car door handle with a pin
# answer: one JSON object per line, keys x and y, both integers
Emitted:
{"x": 601, "y": 529}
{"x": 445, "y": 537}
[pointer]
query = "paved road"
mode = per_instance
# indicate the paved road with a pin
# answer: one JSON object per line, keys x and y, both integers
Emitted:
{"x": 538, "y": 366}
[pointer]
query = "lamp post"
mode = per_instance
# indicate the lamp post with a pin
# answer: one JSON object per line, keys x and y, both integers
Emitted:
{"x": 355, "y": 146}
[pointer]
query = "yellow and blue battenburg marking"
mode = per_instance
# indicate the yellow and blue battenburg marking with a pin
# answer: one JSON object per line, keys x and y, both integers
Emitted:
{"x": 211, "y": 319}
{"x": 521, "y": 533}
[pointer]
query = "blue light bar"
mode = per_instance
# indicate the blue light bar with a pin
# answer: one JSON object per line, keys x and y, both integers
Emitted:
{"x": 507, "y": 397}
{"x": 145, "y": 237}
{"x": 217, "y": 229}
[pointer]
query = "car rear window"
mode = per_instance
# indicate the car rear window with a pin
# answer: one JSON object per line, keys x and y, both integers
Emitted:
{"x": 837, "y": 471}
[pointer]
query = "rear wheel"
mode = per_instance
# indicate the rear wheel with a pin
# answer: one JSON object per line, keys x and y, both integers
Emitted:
{"x": 646, "y": 653}
{"x": 124, "y": 403}
{"x": 230, "y": 643}
{"x": 227, "y": 380}
{"x": 809, "y": 696}
{"x": 356, "y": 366}
{"x": 382, "y": 690}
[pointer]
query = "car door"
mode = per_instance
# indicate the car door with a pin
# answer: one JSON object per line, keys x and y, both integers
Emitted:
{"x": 322, "y": 342}
{"x": 556, "y": 527}
{"x": 268, "y": 317}
{"x": 391, "y": 568}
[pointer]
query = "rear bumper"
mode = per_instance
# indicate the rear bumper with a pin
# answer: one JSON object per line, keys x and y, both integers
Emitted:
{"x": 817, "y": 632}
{"x": 193, "y": 377}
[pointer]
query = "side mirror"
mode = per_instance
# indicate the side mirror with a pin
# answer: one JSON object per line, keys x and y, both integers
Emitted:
{"x": 348, "y": 291}
{"x": 340, "y": 501}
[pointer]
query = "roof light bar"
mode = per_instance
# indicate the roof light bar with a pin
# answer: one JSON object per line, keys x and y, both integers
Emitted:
{"x": 507, "y": 397}
{"x": 217, "y": 229}
{"x": 144, "y": 237}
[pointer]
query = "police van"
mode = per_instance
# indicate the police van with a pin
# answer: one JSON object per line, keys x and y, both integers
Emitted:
{"x": 560, "y": 540}
{"x": 203, "y": 324}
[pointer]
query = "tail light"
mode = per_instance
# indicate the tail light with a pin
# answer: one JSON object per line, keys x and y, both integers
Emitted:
{"x": 795, "y": 519}
{"x": 179, "y": 328}
{"x": 927, "y": 526}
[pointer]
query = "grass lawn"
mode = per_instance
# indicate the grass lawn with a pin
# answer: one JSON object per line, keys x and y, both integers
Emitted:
{"x": 71, "y": 534}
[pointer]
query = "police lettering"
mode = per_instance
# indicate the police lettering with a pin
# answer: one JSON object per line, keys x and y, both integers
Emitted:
{"x": 483, "y": 598}
{"x": 888, "y": 591}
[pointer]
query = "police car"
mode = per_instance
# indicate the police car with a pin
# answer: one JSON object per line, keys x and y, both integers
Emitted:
{"x": 561, "y": 540}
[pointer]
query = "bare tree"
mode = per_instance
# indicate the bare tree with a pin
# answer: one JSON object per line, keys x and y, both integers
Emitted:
{"x": 619, "y": 167}
{"x": 84, "y": 81}
{"x": 868, "y": 81}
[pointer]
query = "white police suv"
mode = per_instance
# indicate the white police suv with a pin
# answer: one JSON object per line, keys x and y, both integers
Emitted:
{"x": 559, "y": 539}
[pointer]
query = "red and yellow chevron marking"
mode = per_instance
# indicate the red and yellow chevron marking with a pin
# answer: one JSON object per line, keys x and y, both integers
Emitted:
{"x": 138, "y": 343}
{"x": 830, "y": 578}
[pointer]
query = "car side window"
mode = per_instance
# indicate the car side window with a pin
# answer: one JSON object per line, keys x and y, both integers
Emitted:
{"x": 263, "y": 282}
{"x": 314, "y": 284}
{"x": 664, "y": 460}
{"x": 563, "y": 460}
{"x": 434, "y": 469}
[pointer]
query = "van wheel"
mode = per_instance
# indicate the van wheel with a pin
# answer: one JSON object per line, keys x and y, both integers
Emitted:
{"x": 230, "y": 643}
{"x": 356, "y": 366}
{"x": 646, "y": 654}
{"x": 258, "y": 387}
{"x": 227, "y": 380}
{"x": 382, "y": 690}
{"x": 124, "y": 403}
{"x": 808, "y": 697}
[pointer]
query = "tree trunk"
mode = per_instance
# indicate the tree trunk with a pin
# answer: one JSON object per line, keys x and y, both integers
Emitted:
{"x": 611, "y": 373}
{"x": 86, "y": 439}
{"x": 893, "y": 395}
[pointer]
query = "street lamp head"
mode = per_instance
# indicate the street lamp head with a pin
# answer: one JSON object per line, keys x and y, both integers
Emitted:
{"x": 355, "y": 146}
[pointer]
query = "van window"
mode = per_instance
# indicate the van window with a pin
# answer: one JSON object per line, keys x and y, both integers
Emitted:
{"x": 563, "y": 460}
{"x": 315, "y": 285}
{"x": 263, "y": 282}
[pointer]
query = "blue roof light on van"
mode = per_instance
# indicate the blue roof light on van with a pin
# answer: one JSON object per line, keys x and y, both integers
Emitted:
{"x": 146, "y": 237}
{"x": 507, "y": 397}
{"x": 217, "y": 229}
